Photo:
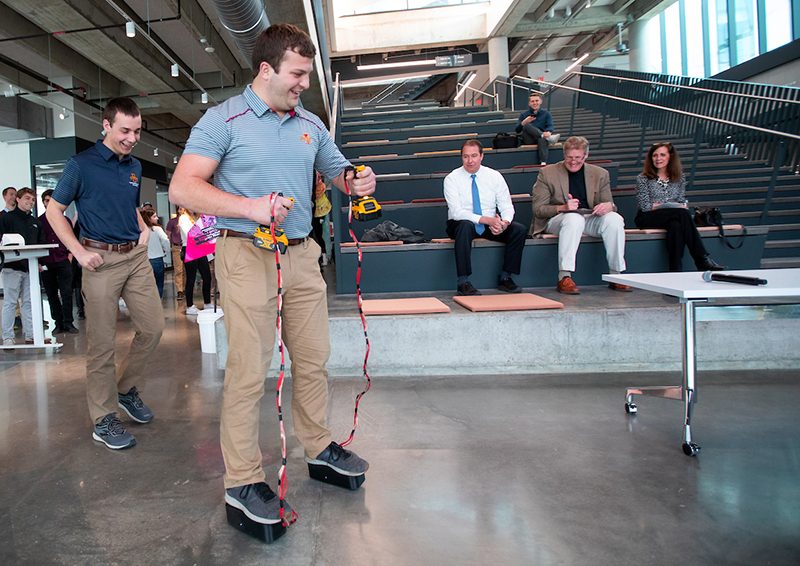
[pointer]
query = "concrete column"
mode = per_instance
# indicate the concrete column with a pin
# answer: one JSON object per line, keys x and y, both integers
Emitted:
{"x": 645, "y": 46}
{"x": 498, "y": 57}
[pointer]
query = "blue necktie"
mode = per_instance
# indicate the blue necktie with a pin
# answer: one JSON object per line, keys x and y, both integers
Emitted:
{"x": 476, "y": 204}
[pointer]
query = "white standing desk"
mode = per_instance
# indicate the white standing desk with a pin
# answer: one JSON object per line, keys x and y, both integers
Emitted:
{"x": 696, "y": 298}
{"x": 31, "y": 253}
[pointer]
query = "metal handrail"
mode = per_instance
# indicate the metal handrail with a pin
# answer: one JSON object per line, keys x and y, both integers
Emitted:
{"x": 674, "y": 110}
{"x": 686, "y": 87}
{"x": 335, "y": 106}
{"x": 511, "y": 85}
{"x": 489, "y": 94}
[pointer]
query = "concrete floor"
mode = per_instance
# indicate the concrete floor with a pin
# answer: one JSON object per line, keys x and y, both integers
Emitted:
{"x": 534, "y": 469}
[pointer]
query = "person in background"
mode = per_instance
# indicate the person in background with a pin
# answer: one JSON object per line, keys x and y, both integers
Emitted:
{"x": 10, "y": 198}
{"x": 661, "y": 198}
{"x": 474, "y": 195}
{"x": 16, "y": 279}
{"x": 157, "y": 247}
{"x": 56, "y": 276}
{"x": 104, "y": 182}
{"x": 572, "y": 198}
{"x": 200, "y": 264}
{"x": 178, "y": 269}
{"x": 536, "y": 126}
{"x": 77, "y": 274}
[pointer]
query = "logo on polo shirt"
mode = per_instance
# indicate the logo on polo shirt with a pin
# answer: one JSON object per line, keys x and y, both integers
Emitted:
{"x": 306, "y": 139}
{"x": 134, "y": 180}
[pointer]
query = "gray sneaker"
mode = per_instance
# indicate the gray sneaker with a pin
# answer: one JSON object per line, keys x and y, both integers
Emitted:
{"x": 259, "y": 503}
{"x": 341, "y": 460}
{"x": 133, "y": 405}
{"x": 111, "y": 433}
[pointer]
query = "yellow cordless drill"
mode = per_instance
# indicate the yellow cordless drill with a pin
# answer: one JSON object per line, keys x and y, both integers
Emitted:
{"x": 364, "y": 208}
{"x": 263, "y": 237}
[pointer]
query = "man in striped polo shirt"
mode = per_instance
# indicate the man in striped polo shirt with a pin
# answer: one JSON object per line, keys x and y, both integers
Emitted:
{"x": 256, "y": 145}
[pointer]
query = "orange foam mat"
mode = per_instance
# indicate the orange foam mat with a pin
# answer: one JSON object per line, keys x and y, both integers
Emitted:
{"x": 515, "y": 302}
{"x": 423, "y": 305}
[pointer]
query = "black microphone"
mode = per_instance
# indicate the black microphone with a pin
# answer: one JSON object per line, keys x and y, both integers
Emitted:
{"x": 709, "y": 276}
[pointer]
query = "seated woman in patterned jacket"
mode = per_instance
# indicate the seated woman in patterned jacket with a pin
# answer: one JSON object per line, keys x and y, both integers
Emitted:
{"x": 661, "y": 196}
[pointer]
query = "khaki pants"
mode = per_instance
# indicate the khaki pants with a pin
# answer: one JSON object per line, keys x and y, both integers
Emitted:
{"x": 178, "y": 271}
{"x": 248, "y": 288}
{"x": 130, "y": 276}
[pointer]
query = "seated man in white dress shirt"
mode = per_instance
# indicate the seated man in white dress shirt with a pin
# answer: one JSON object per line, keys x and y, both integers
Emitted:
{"x": 490, "y": 216}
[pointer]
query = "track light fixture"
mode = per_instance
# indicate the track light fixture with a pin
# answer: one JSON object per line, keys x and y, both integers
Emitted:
{"x": 130, "y": 29}
{"x": 63, "y": 115}
{"x": 175, "y": 70}
{"x": 175, "y": 159}
{"x": 155, "y": 152}
{"x": 204, "y": 98}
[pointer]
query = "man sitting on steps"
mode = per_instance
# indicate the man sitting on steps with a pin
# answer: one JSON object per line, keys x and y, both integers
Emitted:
{"x": 536, "y": 126}
{"x": 474, "y": 195}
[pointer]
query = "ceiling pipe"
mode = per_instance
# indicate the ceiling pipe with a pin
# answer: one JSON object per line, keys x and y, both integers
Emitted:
{"x": 245, "y": 20}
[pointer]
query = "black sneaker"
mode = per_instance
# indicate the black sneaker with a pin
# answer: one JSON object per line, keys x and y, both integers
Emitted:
{"x": 467, "y": 289}
{"x": 70, "y": 328}
{"x": 111, "y": 433}
{"x": 133, "y": 405}
{"x": 341, "y": 460}
{"x": 507, "y": 285}
{"x": 259, "y": 503}
{"x": 58, "y": 329}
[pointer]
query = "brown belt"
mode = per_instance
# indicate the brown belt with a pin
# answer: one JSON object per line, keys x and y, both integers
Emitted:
{"x": 235, "y": 234}
{"x": 121, "y": 248}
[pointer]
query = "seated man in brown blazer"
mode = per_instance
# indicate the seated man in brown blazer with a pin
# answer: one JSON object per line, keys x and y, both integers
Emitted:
{"x": 572, "y": 198}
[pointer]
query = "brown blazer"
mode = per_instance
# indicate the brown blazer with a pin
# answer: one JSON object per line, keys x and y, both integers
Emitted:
{"x": 552, "y": 187}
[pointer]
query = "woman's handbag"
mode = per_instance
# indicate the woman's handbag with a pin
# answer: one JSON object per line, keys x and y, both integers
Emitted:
{"x": 711, "y": 216}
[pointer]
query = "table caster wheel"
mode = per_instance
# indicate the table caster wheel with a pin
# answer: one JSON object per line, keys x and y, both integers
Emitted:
{"x": 690, "y": 449}
{"x": 630, "y": 408}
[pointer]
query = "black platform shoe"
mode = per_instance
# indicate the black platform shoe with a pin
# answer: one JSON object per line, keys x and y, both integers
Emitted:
{"x": 708, "y": 264}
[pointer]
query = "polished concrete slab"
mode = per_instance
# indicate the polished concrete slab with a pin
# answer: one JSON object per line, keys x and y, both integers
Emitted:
{"x": 502, "y": 469}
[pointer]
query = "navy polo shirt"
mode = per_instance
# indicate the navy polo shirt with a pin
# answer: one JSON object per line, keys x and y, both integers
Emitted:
{"x": 106, "y": 192}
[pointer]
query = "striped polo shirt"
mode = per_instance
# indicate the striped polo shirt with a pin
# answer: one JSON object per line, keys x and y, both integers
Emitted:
{"x": 259, "y": 153}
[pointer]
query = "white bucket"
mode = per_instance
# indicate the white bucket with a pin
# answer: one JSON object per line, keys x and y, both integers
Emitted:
{"x": 206, "y": 320}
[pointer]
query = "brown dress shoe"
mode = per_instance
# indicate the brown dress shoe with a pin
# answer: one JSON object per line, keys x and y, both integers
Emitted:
{"x": 620, "y": 287}
{"x": 568, "y": 287}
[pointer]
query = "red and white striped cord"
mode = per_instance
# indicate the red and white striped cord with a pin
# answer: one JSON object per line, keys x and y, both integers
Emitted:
{"x": 279, "y": 389}
{"x": 360, "y": 312}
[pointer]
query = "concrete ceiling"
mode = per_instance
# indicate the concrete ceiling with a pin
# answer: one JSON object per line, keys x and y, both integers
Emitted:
{"x": 106, "y": 63}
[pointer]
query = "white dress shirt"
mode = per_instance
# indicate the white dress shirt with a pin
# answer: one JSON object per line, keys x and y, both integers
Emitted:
{"x": 492, "y": 188}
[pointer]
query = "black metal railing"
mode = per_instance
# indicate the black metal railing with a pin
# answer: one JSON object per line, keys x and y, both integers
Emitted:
{"x": 722, "y": 114}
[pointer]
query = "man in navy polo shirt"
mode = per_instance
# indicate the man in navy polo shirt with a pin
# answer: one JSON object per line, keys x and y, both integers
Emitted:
{"x": 104, "y": 183}
{"x": 256, "y": 145}
{"x": 536, "y": 126}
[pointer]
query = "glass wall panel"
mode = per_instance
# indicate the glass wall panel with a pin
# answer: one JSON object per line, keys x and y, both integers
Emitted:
{"x": 694, "y": 38}
{"x": 746, "y": 18}
{"x": 779, "y": 23}
{"x": 718, "y": 35}
{"x": 672, "y": 20}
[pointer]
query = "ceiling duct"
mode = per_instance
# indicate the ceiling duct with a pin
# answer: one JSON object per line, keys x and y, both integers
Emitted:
{"x": 244, "y": 19}
{"x": 21, "y": 119}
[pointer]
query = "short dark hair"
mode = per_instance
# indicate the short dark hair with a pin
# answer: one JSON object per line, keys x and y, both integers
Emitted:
{"x": 47, "y": 193}
{"x": 5, "y": 191}
{"x": 25, "y": 191}
{"x": 674, "y": 167}
{"x": 273, "y": 43}
{"x": 474, "y": 142}
{"x": 121, "y": 105}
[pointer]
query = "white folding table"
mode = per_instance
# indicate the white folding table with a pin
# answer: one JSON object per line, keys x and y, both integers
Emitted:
{"x": 696, "y": 298}
{"x": 31, "y": 253}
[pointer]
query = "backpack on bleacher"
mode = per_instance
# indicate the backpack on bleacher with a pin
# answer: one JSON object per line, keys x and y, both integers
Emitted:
{"x": 505, "y": 141}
